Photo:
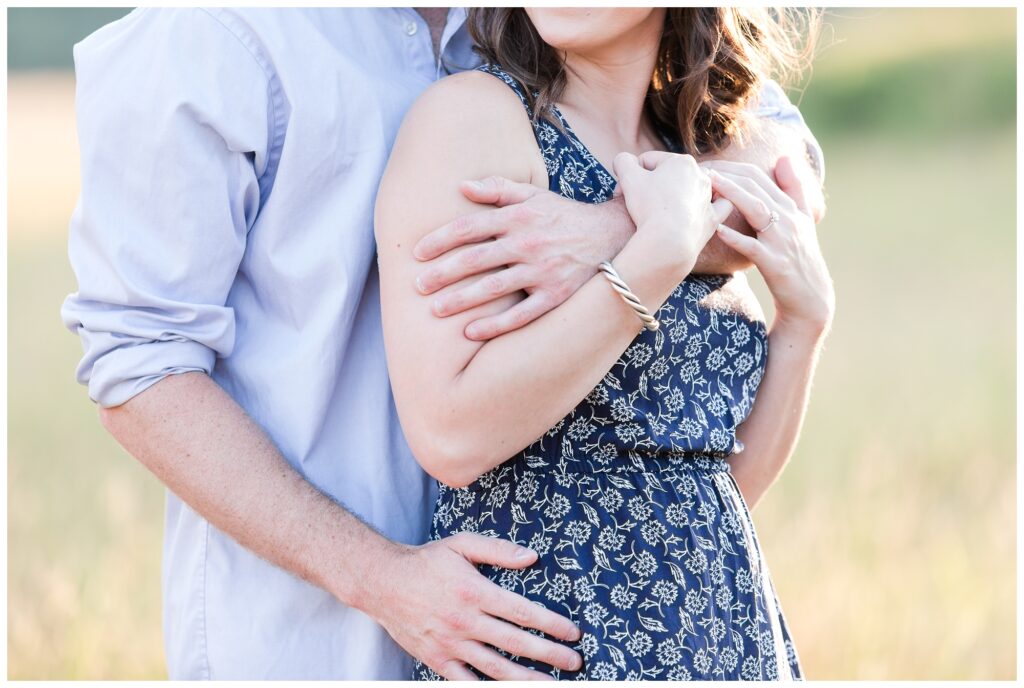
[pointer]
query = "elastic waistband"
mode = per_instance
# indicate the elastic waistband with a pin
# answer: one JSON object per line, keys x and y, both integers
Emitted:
{"x": 658, "y": 464}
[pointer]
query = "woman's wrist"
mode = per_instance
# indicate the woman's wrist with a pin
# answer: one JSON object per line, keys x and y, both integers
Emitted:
{"x": 649, "y": 270}
{"x": 661, "y": 243}
{"x": 806, "y": 330}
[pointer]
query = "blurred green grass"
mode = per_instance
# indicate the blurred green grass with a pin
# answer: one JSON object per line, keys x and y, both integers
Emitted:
{"x": 891, "y": 536}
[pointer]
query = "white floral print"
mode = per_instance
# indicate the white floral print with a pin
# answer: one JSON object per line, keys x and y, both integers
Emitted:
{"x": 643, "y": 538}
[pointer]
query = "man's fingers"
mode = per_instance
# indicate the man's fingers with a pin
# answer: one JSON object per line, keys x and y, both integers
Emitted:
{"x": 467, "y": 229}
{"x": 484, "y": 290}
{"x": 519, "y": 315}
{"x": 454, "y": 670}
{"x": 519, "y": 643}
{"x": 481, "y": 549}
{"x": 522, "y": 612}
{"x": 490, "y": 663}
{"x": 497, "y": 191}
{"x": 468, "y": 261}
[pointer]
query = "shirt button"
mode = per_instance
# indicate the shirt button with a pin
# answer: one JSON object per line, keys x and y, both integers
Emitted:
{"x": 411, "y": 28}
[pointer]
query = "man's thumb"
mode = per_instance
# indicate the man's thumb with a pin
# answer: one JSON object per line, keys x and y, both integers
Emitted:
{"x": 497, "y": 191}
{"x": 480, "y": 549}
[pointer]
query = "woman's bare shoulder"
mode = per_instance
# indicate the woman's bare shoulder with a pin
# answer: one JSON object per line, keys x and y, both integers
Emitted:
{"x": 474, "y": 94}
{"x": 464, "y": 127}
{"x": 479, "y": 114}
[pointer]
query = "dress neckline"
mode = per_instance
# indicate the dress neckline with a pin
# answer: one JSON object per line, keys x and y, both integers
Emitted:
{"x": 584, "y": 148}
{"x": 669, "y": 147}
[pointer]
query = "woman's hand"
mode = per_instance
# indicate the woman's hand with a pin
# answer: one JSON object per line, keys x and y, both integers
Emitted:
{"x": 785, "y": 246}
{"x": 669, "y": 195}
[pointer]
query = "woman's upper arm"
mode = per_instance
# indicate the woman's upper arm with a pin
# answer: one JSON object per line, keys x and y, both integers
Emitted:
{"x": 469, "y": 126}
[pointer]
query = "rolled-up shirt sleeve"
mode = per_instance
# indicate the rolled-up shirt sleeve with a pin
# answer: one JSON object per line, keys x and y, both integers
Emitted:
{"x": 773, "y": 104}
{"x": 174, "y": 123}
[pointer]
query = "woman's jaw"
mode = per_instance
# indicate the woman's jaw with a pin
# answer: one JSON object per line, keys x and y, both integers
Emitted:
{"x": 610, "y": 55}
{"x": 599, "y": 33}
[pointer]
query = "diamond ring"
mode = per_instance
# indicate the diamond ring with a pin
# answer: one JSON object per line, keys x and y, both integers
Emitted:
{"x": 773, "y": 217}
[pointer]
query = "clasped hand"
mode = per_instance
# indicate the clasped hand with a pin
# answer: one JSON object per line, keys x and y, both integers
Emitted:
{"x": 548, "y": 246}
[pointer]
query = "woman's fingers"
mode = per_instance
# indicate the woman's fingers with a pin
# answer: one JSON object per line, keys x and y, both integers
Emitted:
{"x": 626, "y": 167}
{"x": 519, "y": 643}
{"x": 484, "y": 290}
{"x": 753, "y": 208}
{"x": 805, "y": 192}
{"x": 651, "y": 159}
{"x": 746, "y": 246}
{"x": 748, "y": 171}
{"x": 721, "y": 209}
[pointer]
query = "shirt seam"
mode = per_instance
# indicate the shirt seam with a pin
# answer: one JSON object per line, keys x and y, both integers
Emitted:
{"x": 203, "y": 643}
{"x": 273, "y": 90}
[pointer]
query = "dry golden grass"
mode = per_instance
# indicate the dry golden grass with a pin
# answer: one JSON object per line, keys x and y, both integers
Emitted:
{"x": 43, "y": 175}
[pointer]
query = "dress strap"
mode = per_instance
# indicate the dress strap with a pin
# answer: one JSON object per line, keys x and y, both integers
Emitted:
{"x": 510, "y": 81}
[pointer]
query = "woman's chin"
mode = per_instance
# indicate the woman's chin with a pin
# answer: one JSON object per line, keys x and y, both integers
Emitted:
{"x": 583, "y": 29}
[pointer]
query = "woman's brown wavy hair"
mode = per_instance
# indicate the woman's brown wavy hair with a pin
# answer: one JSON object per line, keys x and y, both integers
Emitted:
{"x": 711, "y": 61}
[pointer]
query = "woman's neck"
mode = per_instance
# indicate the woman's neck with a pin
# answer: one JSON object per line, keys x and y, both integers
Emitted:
{"x": 610, "y": 88}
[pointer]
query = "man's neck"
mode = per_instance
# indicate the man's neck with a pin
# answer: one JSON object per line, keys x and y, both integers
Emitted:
{"x": 436, "y": 18}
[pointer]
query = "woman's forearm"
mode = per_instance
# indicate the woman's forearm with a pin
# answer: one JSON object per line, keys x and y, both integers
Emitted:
{"x": 539, "y": 373}
{"x": 771, "y": 431}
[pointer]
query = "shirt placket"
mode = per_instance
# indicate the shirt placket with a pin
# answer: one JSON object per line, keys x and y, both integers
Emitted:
{"x": 416, "y": 36}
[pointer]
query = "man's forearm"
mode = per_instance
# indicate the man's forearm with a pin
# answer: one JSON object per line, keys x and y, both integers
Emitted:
{"x": 200, "y": 443}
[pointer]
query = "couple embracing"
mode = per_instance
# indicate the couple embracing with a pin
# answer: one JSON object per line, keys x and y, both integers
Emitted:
{"x": 483, "y": 392}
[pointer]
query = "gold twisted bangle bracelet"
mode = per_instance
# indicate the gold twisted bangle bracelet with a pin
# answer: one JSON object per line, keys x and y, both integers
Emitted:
{"x": 649, "y": 321}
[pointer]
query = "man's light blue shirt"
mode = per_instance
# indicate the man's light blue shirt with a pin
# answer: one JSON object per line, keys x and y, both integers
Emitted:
{"x": 230, "y": 163}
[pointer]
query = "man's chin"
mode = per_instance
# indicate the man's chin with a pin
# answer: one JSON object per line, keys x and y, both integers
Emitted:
{"x": 719, "y": 259}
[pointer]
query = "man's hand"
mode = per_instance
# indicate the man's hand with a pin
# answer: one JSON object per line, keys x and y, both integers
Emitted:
{"x": 544, "y": 244}
{"x": 436, "y": 605}
{"x": 200, "y": 443}
{"x": 549, "y": 246}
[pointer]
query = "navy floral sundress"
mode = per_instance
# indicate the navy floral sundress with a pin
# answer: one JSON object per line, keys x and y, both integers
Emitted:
{"x": 643, "y": 537}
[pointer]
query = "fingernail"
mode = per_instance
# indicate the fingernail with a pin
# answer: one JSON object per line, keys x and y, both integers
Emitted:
{"x": 438, "y": 307}
{"x": 522, "y": 554}
{"x": 475, "y": 185}
{"x": 419, "y": 285}
{"x": 473, "y": 332}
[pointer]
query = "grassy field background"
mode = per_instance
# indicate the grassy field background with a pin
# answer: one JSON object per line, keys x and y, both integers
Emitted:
{"x": 891, "y": 536}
